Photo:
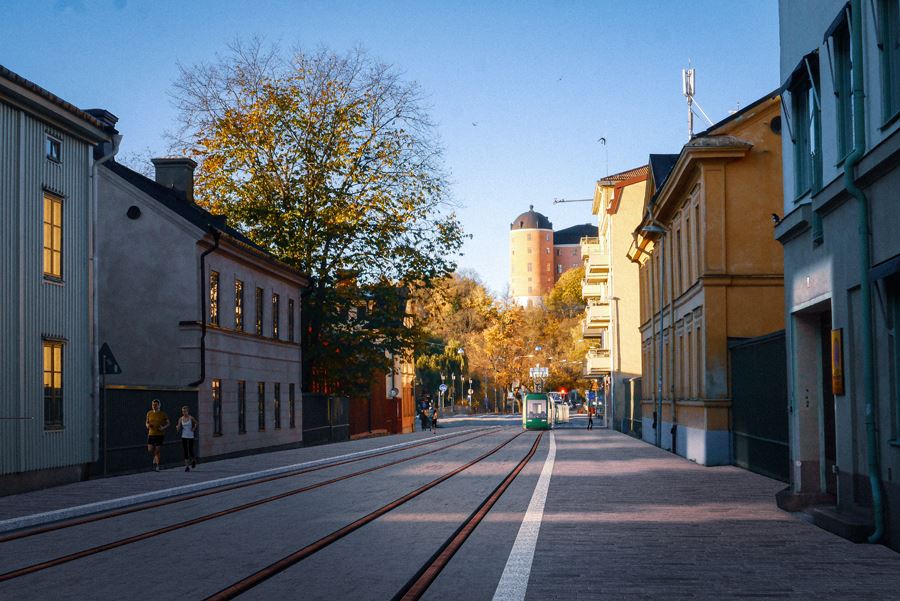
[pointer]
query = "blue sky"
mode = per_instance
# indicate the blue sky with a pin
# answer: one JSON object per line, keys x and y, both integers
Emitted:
{"x": 521, "y": 91}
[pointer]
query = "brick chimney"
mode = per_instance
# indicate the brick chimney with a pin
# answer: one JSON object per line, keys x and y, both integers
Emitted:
{"x": 176, "y": 173}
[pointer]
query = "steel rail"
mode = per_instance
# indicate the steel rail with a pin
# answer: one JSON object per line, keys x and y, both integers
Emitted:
{"x": 208, "y": 492}
{"x": 418, "y": 584}
{"x": 50, "y": 563}
{"x": 245, "y": 584}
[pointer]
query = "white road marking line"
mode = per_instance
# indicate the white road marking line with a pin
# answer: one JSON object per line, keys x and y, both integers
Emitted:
{"x": 37, "y": 519}
{"x": 514, "y": 582}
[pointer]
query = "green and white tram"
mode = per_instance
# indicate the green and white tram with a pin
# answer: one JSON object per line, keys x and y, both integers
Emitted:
{"x": 538, "y": 412}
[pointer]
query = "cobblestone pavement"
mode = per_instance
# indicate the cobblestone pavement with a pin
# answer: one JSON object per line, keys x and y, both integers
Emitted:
{"x": 625, "y": 520}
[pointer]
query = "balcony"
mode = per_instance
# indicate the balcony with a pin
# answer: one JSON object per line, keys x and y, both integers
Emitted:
{"x": 597, "y": 313}
{"x": 597, "y": 362}
{"x": 592, "y": 289}
{"x": 589, "y": 245}
{"x": 593, "y": 330}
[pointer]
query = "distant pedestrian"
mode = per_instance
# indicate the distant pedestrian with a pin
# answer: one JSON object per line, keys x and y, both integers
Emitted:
{"x": 433, "y": 418}
{"x": 423, "y": 417}
{"x": 590, "y": 413}
{"x": 156, "y": 422}
{"x": 187, "y": 425}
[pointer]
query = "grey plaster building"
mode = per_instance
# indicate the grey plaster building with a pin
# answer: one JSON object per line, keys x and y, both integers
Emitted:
{"x": 196, "y": 314}
{"x": 48, "y": 425}
{"x": 840, "y": 67}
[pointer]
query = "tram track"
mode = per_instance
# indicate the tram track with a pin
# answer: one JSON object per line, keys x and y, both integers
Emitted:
{"x": 37, "y": 567}
{"x": 428, "y": 573}
{"x": 260, "y": 576}
{"x": 61, "y": 525}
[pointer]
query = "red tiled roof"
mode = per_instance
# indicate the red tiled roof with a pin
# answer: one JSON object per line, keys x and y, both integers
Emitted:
{"x": 641, "y": 171}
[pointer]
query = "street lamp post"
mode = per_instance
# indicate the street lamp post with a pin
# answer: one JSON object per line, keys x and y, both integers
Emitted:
{"x": 655, "y": 229}
{"x": 441, "y": 396}
{"x": 452, "y": 390}
{"x": 462, "y": 367}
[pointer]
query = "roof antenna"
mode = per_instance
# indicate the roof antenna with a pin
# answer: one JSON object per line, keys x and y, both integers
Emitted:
{"x": 687, "y": 88}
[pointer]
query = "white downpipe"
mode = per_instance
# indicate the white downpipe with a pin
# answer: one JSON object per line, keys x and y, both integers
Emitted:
{"x": 93, "y": 262}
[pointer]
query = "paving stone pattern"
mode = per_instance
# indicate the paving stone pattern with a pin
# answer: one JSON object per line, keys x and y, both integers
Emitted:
{"x": 625, "y": 520}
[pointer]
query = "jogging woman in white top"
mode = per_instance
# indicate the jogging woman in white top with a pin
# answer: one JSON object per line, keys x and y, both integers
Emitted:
{"x": 187, "y": 425}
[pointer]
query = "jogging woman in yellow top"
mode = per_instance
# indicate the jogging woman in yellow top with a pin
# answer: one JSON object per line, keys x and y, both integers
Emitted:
{"x": 156, "y": 423}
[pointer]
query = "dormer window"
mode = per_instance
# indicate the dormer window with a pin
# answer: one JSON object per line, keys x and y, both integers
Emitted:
{"x": 53, "y": 149}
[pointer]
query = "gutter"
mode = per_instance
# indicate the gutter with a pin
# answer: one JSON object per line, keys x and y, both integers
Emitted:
{"x": 215, "y": 234}
{"x": 93, "y": 295}
{"x": 863, "y": 231}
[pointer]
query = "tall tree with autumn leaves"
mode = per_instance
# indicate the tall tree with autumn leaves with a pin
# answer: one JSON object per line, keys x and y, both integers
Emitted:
{"x": 331, "y": 163}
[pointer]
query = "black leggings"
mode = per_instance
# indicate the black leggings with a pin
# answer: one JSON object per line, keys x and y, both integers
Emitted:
{"x": 187, "y": 446}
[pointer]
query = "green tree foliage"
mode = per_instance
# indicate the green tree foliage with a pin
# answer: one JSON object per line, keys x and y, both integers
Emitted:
{"x": 331, "y": 163}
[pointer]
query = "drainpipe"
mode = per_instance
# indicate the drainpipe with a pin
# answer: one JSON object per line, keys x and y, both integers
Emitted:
{"x": 215, "y": 234}
{"x": 93, "y": 274}
{"x": 859, "y": 145}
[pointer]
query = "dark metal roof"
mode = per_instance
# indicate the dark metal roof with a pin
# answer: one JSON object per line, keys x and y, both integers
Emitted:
{"x": 531, "y": 221}
{"x": 771, "y": 95}
{"x": 661, "y": 165}
{"x": 574, "y": 234}
{"x": 46, "y": 94}
{"x": 193, "y": 213}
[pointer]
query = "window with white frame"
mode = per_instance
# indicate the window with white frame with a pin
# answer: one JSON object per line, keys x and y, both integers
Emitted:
{"x": 53, "y": 148}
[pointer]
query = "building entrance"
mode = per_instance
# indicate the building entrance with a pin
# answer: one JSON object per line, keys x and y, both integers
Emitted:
{"x": 828, "y": 451}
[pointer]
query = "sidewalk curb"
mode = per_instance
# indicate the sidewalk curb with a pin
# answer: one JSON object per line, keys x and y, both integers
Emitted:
{"x": 46, "y": 517}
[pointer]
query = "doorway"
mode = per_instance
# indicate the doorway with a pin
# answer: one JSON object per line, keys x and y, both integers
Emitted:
{"x": 828, "y": 435}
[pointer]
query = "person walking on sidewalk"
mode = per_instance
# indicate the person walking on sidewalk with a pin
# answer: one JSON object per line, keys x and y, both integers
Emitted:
{"x": 156, "y": 422}
{"x": 433, "y": 418}
{"x": 187, "y": 425}
{"x": 590, "y": 413}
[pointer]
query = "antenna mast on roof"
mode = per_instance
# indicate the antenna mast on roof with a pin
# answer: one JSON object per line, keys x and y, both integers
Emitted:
{"x": 687, "y": 88}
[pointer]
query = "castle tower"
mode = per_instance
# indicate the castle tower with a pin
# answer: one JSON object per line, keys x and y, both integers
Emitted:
{"x": 531, "y": 258}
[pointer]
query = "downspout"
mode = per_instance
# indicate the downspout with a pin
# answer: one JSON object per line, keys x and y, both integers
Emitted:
{"x": 859, "y": 145}
{"x": 93, "y": 274}
{"x": 215, "y": 234}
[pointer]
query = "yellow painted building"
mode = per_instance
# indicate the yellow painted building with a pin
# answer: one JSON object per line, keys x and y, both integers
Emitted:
{"x": 722, "y": 274}
{"x": 610, "y": 289}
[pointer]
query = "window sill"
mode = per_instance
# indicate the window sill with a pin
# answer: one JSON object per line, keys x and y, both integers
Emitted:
{"x": 53, "y": 280}
{"x": 803, "y": 196}
{"x": 217, "y": 434}
{"x": 895, "y": 442}
{"x": 55, "y": 429}
{"x": 890, "y": 121}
